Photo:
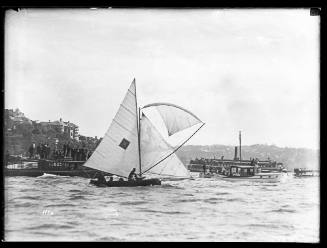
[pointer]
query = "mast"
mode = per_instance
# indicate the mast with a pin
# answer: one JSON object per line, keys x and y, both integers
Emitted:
{"x": 240, "y": 146}
{"x": 138, "y": 123}
{"x": 139, "y": 139}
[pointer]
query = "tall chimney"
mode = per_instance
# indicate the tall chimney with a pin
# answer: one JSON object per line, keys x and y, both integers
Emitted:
{"x": 240, "y": 138}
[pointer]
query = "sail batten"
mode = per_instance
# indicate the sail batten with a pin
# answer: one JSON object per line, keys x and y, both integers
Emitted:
{"x": 123, "y": 127}
{"x": 127, "y": 109}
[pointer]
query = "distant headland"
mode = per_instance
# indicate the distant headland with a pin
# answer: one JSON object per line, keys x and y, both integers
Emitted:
{"x": 21, "y": 132}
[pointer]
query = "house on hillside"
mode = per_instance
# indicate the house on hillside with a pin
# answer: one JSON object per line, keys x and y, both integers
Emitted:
{"x": 63, "y": 127}
{"x": 16, "y": 116}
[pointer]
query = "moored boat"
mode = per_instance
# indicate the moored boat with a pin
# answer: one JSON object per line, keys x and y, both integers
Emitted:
{"x": 249, "y": 173}
{"x": 303, "y": 173}
{"x": 35, "y": 168}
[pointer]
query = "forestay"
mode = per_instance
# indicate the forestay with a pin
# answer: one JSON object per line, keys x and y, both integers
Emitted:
{"x": 154, "y": 148}
{"x": 118, "y": 151}
{"x": 175, "y": 117}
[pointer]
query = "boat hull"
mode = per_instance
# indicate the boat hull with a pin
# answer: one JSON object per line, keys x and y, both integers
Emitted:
{"x": 305, "y": 176}
{"x": 146, "y": 182}
{"x": 261, "y": 177}
{"x": 256, "y": 178}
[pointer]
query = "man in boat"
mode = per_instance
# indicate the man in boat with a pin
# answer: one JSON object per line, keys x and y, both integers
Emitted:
{"x": 132, "y": 175}
{"x": 101, "y": 178}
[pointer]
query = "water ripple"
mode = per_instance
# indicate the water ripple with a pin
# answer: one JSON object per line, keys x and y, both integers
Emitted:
{"x": 58, "y": 208}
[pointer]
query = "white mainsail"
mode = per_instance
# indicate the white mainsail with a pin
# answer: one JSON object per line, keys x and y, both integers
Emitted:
{"x": 175, "y": 117}
{"x": 118, "y": 151}
{"x": 154, "y": 149}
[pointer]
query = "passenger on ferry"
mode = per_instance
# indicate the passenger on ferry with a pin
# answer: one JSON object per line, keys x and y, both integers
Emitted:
{"x": 255, "y": 168}
{"x": 31, "y": 151}
{"x": 7, "y": 157}
{"x": 204, "y": 168}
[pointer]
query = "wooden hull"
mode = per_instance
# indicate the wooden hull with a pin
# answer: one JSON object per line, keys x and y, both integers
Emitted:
{"x": 305, "y": 176}
{"x": 146, "y": 182}
{"x": 256, "y": 178}
{"x": 202, "y": 175}
{"x": 261, "y": 177}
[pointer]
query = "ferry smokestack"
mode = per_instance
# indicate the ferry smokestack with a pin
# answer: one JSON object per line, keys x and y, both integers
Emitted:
{"x": 235, "y": 155}
{"x": 240, "y": 146}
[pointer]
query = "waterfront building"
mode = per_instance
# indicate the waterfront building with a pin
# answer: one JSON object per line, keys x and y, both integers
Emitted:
{"x": 64, "y": 127}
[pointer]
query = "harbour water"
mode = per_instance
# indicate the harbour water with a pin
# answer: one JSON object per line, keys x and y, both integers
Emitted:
{"x": 54, "y": 208}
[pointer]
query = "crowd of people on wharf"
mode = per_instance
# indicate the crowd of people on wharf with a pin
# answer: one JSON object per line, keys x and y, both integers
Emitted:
{"x": 66, "y": 150}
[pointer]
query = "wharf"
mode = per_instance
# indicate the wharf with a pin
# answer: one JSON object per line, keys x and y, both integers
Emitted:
{"x": 61, "y": 167}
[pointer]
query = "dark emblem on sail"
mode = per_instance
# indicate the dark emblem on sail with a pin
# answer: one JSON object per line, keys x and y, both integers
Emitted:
{"x": 124, "y": 144}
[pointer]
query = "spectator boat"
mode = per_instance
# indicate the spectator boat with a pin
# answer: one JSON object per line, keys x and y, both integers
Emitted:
{"x": 37, "y": 167}
{"x": 239, "y": 172}
{"x": 302, "y": 172}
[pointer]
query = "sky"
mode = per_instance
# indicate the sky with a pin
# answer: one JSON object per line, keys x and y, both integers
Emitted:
{"x": 254, "y": 70}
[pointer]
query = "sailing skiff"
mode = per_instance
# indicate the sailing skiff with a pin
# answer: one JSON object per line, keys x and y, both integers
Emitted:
{"x": 133, "y": 141}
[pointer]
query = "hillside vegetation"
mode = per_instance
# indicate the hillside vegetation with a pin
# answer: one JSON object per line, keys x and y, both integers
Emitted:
{"x": 20, "y": 132}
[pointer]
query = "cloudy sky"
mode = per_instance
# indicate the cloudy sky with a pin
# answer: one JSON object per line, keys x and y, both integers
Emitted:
{"x": 250, "y": 70}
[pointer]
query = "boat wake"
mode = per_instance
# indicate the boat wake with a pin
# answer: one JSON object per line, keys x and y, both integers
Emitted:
{"x": 46, "y": 175}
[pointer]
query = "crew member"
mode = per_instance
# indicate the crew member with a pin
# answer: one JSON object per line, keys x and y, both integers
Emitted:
{"x": 132, "y": 175}
{"x": 101, "y": 178}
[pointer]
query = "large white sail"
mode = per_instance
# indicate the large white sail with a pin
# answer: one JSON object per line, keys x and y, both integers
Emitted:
{"x": 154, "y": 149}
{"x": 175, "y": 117}
{"x": 118, "y": 151}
